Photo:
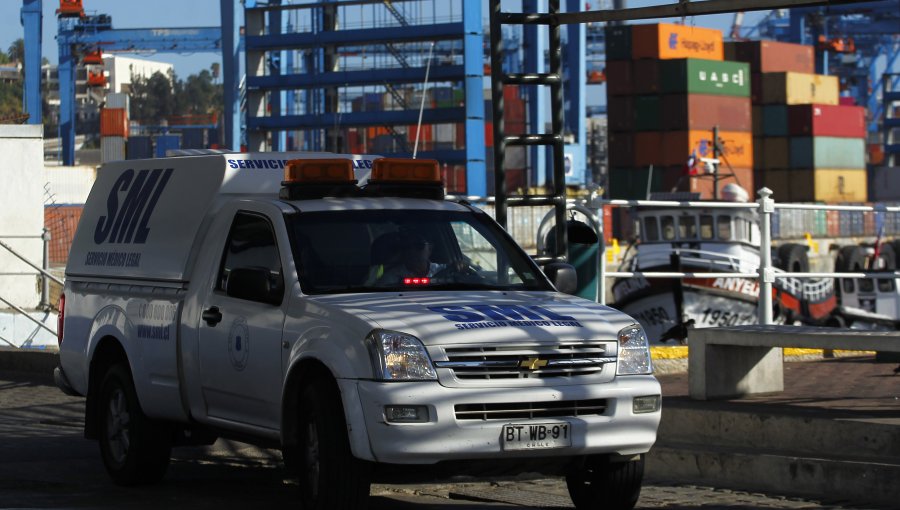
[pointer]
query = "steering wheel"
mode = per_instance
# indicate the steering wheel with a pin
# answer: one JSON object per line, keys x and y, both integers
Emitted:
{"x": 460, "y": 268}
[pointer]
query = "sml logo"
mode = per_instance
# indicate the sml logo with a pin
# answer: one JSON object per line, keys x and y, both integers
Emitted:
{"x": 673, "y": 41}
{"x": 127, "y": 222}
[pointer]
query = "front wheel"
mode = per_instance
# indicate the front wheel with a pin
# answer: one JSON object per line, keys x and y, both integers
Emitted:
{"x": 331, "y": 478}
{"x": 599, "y": 483}
{"x": 135, "y": 449}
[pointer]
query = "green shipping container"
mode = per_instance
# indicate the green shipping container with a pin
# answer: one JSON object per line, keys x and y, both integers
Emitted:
{"x": 810, "y": 153}
{"x": 631, "y": 183}
{"x": 774, "y": 121}
{"x": 697, "y": 76}
{"x": 618, "y": 42}
{"x": 647, "y": 113}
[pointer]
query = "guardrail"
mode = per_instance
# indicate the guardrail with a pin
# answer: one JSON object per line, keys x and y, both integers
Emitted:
{"x": 42, "y": 271}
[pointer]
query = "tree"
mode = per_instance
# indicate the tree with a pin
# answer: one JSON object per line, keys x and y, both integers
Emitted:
{"x": 16, "y": 51}
{"x": 155, "y": 98}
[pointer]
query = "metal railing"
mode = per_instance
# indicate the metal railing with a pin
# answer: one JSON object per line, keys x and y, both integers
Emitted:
{"x": 765, "y": 206}
{"x": 42, "y": 271}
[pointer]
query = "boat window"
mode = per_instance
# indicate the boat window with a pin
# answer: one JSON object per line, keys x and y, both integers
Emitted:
{"x": 687, "y": 227}
{"x": 848, "y": 285}
{"x": 706, "y": 226}
{"x": 651, "y": 229}
{"x": 724, "y": 224}
{"x": 867, "y": 285}
{"x": 885, "y": 285}
{"x": 668, "y": 227}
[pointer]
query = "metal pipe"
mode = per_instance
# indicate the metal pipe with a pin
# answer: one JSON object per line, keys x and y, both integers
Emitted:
{"x": 766, "y": 273}
{"x": 23, "y": 312}
{"x": 677, "y": 274}
{"x": 17, "y": 254}
{"x": 45, "y": 282}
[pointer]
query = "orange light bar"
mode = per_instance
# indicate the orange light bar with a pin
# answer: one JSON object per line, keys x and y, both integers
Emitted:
{"x": 406, "y": 170}
{"x": 319, "y": 170}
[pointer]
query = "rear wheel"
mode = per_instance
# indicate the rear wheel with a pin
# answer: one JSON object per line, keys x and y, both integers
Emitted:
{"x": 330, "y": 476}
{"x": 601, "y": 484}
{"x": 135, "y": 449}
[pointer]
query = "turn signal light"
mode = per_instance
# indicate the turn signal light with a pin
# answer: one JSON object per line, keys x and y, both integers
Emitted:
{"x": 319, "y": 170}
{"x": 406, "y": 170}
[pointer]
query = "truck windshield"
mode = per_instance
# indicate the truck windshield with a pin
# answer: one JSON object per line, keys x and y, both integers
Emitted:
{"x": 403, "y": 250}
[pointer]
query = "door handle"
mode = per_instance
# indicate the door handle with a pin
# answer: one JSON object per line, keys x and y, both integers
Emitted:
{"x": 212, "y": 316}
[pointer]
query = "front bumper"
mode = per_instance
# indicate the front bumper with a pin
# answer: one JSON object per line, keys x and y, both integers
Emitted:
{"x": 445, "y": 437}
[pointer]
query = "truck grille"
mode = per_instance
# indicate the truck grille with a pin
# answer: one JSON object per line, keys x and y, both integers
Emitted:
{"x": 523, "y": 362}
{"x": 528, "y": 410}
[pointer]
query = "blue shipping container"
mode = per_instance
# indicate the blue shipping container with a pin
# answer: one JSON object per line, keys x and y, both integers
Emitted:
{"x": 165, "y": 143}
{"x": 193, "y": 138}
{"x": 139, "y": 147}
{"x": 774, "y": 120}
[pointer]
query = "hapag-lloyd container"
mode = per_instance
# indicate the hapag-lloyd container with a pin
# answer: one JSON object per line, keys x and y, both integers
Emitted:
{"x": 737, "y": 147}
{"x": 682, "y": 112}
{"x": 832, "y": 185}
{"x": 697, "y": 76}
{"x": 799, "y": 88}
{"x": 772, "y": 56}
{"x": 667, "y": 41}
{"x": 827, "y": 152}
{"x": 827, "y": 120}
{"x": 703, "y": 183}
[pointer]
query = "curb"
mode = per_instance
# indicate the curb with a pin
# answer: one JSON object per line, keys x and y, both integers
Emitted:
{"x": 28, "y": 361}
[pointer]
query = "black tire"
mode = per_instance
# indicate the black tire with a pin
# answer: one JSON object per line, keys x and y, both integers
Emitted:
{"x": 850, "y": 259}
{"x": 600, "y": 483}
{"x": 135, "y": 449}
{"x": 793, "y": 258}
{"x": 331, "y": 478}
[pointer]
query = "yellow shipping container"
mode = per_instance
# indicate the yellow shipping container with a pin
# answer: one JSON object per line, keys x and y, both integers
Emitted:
{"x": 828, "y": 185}
{"x": 799, "y": 88}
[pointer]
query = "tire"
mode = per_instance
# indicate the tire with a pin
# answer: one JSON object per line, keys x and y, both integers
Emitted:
{"x": 135, "y": 449}
{"x": 331, "y": 478}
{"x": 793, "y": 258}
{"x": 850, "y": 259}
{"x": 601, "y": 484}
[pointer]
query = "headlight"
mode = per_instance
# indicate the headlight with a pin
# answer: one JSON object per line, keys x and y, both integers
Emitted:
{"x": 399, "y": 357}
{"x": 634, "y": 352}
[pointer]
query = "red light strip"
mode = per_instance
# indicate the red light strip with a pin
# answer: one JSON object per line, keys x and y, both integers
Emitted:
{"x": 416, "y": 281}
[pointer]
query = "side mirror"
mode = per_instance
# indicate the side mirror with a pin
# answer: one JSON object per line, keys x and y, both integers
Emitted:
{"x": 562, "y": 276}
{"x": 253, "y": 284}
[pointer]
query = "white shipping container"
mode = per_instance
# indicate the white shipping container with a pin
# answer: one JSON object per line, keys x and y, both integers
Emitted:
{"x": 117, "y": 100}
{"x": 112, "y": 148}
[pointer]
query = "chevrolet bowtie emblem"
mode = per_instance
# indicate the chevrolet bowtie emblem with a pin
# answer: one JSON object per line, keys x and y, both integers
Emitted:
{"x": 533, "y": 363}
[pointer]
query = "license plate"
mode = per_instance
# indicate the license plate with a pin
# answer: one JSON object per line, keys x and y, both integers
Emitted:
{"x": 536, "y": 436}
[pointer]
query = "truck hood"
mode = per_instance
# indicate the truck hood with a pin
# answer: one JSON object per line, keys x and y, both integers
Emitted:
{"x": 448, "y": 318}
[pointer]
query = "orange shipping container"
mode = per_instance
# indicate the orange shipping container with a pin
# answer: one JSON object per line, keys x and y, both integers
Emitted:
{"x": 666, "y": 41}
{"x": 114, "y": 122}
{"x": 737, "y": 147}
{"x": 675, "y": 179}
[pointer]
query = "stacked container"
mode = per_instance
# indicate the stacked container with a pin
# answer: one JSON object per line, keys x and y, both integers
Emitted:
{"x": 809, "y": 146}
{"x": 114, "y": 128}
{"x": 667, "y": 89}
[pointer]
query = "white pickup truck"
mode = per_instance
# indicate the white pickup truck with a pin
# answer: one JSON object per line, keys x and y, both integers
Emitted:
{"x": 273, "y": 299}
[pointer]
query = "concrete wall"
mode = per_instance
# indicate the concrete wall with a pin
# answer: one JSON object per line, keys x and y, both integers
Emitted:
{"x": 68, "y": 185}
{"x": 21, "y": 211}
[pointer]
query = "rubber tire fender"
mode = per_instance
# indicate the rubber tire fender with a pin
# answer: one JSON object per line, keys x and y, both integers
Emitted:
{"x": 148, "y": 443}
{"x": 601, "y": 484}
{"x": 850, "y": 259}
{"x": 793, "y": 258}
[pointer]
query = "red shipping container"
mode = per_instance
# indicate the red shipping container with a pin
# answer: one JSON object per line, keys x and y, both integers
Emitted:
{"x": 773, "y": 56}
{"x": 833, "y": 223}
{"x": 827, "y": 120}
{"x": 846, "y": 101}
{"x": 647, "y": 148}
{"x": 621, "y": 149}
{"x": 114, "y": 122}
{"x": 705, "y": 111}
{"x": 619, "y": 78}
{"x": 645, "y": 76}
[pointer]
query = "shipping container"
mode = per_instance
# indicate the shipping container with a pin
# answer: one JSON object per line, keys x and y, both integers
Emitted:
{"x": 632, "y": 183}
{"x": 827, "y": 120}
{"x": 140, "y": 147}
{"x": 772, "y": 56}
{"x": 112, "y": 148}
{"x": 757, "y": 119}
{"x": 779, "y": 182}
{"x": 832, "y": 223}
{"x": 647, "y": 113}
{"x": 118, "y": 100}
{"x": 776, "y": 153}
{"x": 620, "y": 113}
{"x": 884, "y": 183}
{"x": 775, "y": 120}
{"x": 683, "y": 112}
{"x": 619, "y": 80}
{"x": 647, "y": 146}
{"x": 799, "y": 88}
{"x": 645, "y": 77}
{"x": 193, "y": 138}
{"x": 697, "y": 76}
{"x": 114, "y": 122}
{"x": 668, "y": 41}
{"x": 830, "y": 185}
{"x": 808, "y": 153}
{"x": 756, "y": 88}
{"x": 737, "y": 147}
{"x": 758, "y": 149}
{"x": 166, "y": 143}
{"x": 621, "y": 149}
{"x": 703, "y": 183}
{"x": 618, "y": 43}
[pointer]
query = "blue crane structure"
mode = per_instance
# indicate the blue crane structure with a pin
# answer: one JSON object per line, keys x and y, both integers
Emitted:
{"x": 31, "y": 20}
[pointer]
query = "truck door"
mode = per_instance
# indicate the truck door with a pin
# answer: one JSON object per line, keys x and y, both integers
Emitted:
{"x": 241, "y": 329}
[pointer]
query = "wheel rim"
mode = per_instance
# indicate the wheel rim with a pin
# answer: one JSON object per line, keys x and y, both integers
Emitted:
{"x": 312, "y": 459}
{"x": 118, "y": 426}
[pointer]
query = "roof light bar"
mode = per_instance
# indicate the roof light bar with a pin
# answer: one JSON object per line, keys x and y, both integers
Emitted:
{"x": 396, "y": 170}
{"x": 319, "y": 171}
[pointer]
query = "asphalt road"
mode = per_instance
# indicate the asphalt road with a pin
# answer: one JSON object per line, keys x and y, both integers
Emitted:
{"x": 45, "y": 463}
